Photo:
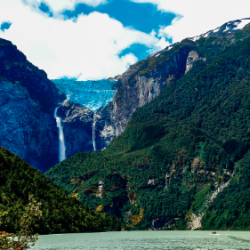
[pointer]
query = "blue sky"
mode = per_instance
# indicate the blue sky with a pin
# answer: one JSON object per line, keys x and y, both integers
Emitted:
{"x": 96, "y": 39}
{"x": 140, "y": 16}
{"x": 5, "y": 26}
{"x": 144, "y": 17}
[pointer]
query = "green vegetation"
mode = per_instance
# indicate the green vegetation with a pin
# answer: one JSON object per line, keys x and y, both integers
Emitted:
{"x": 60, "y": 213}
{"x": 177, "y": 149}
{"x": 200, "y": 200}
{"x": 231, "y": 207}
{"x": 24, "y": 239}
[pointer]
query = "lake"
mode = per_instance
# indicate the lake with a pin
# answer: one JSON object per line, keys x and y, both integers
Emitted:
{"x": 147, "y": 240}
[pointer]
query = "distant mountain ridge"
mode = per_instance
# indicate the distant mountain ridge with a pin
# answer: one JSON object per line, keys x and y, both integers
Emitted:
{"x": 226, "y": 28}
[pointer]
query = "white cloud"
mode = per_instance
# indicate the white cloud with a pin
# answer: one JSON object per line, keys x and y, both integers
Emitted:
{"x": 199, "y": 16}
{"x": 59, "y": 5}
{"x": 88, "y": 46}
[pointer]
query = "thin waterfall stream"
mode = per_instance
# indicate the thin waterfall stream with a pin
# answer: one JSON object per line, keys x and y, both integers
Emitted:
{"x": 62, "y": 147}
{"x": 93, "y": 132}
{"x": 93, "y": 95}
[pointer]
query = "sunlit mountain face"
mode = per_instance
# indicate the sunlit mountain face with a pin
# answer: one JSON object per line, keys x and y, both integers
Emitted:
{"x": 90, "y": 94}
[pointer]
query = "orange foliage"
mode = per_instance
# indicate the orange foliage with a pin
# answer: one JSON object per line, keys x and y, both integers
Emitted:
{"x": 132, "y": 198}
{"x": 99, "y": 208}
{"x": 135, "y": 219}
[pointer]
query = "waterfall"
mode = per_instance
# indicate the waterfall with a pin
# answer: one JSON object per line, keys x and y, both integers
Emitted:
{"x": 93, "y": 132}
{"x": 62, "y": 148}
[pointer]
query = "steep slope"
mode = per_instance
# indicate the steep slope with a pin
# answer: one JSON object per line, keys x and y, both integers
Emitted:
{"x": 77, "y": 122}
{"x": 146, "y": 79}
{"x": 60, "y": 213}
{"x": 179, "y": 150}
{"x": 27, "y": 102}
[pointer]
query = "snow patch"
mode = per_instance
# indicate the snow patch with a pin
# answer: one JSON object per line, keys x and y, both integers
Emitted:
{"x": 227, "y": 28}
{"x": 195, "y": 38}
{"x": 216, "y": 30}
{"x": 207, "y": 34}
{"x": 242, "y": 24}
{"x": 153, "y": 54}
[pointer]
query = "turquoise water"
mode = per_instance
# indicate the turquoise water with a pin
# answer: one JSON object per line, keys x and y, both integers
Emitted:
{"x": 147, "y": 240}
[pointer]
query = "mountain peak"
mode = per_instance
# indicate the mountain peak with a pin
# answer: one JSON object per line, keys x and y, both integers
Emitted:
{"x": 226, "y": 28}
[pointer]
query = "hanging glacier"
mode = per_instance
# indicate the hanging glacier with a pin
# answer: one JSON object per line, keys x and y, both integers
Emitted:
{"x": 90, "y": 94}
{"x": 77, "y": 115}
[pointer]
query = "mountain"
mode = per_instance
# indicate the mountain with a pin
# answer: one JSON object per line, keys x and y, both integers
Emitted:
{"x": 182, "y": 157}
{"x": 40, "y": 126}
{"x": 27, "y": 102}
{"x": 146, "y": 79}
{"x": 36, "y": 121}
{"x": 60, "y": 213}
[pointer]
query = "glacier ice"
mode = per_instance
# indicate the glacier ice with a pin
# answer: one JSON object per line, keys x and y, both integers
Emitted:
{"x": 90, "y": 94}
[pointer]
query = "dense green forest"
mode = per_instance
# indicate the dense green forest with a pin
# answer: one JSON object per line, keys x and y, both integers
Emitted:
{"x": 60, "y": 213}
{"x": 178, "y": 149}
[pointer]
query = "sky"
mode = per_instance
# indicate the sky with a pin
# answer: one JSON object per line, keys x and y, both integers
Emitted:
{"x": 97, "y": 39}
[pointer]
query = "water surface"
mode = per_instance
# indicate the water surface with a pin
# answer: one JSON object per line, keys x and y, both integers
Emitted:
{"x": 147, "y": 240}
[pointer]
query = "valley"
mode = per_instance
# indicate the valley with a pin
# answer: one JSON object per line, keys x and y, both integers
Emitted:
{"x": 164, "y": 146}
{"x": 177, "y": 148}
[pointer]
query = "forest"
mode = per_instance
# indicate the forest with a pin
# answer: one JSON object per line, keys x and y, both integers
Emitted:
{"x": 177, "y": 150}
{"x": 60, "y": 213}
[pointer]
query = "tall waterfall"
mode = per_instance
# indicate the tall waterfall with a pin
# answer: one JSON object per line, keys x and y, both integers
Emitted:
{"x": 93, "y": 132}
{"x": 62, "y": 148}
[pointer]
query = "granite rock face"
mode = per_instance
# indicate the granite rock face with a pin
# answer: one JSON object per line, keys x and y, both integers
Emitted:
{"x": 27, "y": 101}
{"x": 138, "y": 86}
{"x": 193, "y": 56}
{"x": 146, "y": 79}
{"x": 77, "y": 122}
{"x": 25, "y": 129}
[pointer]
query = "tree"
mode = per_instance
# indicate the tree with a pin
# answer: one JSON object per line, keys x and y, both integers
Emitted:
{"x": 25, "y": 238}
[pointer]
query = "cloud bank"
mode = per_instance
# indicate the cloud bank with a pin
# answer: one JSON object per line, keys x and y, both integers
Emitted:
{"x": 93, "y": 46}
{"x": 85, "y": 48}
{"x": 195, "y": 17}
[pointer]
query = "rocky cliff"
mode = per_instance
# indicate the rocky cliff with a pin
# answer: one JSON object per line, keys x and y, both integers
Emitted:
{"x": 77, "y": 122}
{"x": 146, "y": 79}
{"x": 27, "y": 101}
{"x": 140, "y": 84}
